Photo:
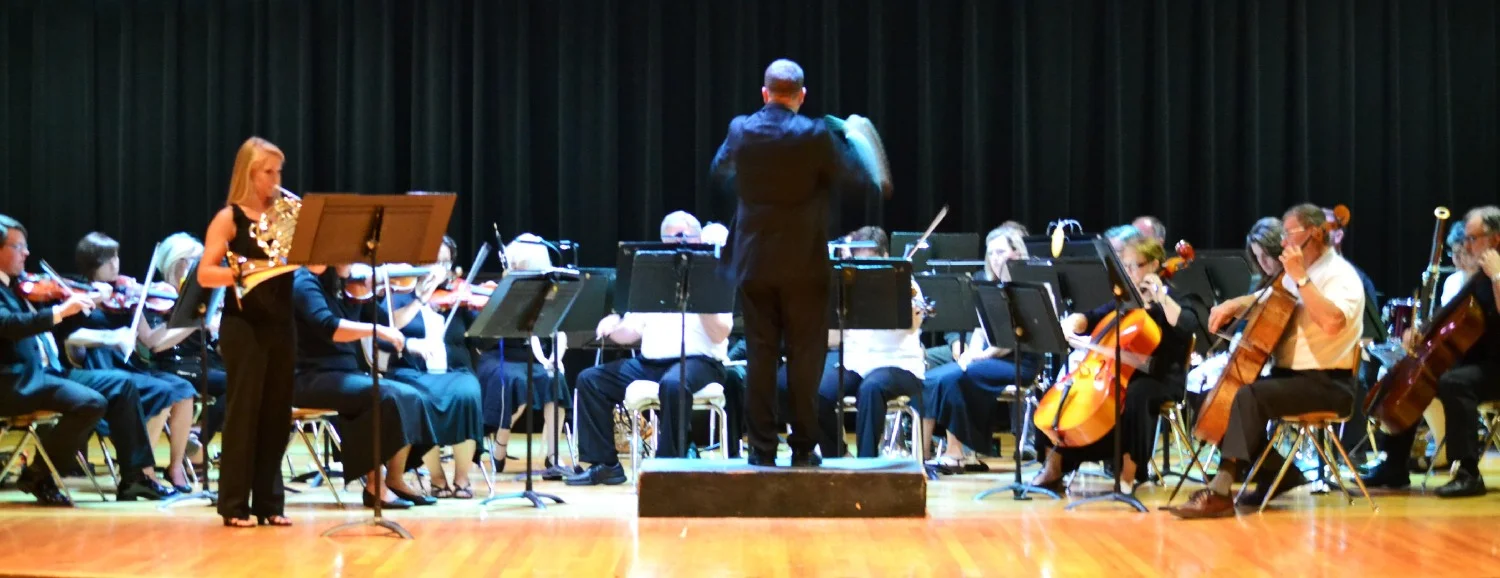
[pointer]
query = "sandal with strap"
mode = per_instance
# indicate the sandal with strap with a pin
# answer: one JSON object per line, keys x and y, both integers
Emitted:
{"x": 277, "y": 520}
{"x": 463, "y": 492}
{"x": 442, "y": 492}
{"x": 238, "y": 522}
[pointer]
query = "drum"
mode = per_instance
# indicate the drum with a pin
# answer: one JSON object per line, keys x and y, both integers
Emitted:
{"x": 1398, "y": 315}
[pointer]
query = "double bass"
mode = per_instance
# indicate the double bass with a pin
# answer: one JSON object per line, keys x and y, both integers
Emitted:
{"x": 1080, "y": 409}
{"x": 1265, "y": 323}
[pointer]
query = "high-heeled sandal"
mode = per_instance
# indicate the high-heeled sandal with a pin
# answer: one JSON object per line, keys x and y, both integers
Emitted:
{"x": 238, "y": 522}
{"x": 277, "y": 520}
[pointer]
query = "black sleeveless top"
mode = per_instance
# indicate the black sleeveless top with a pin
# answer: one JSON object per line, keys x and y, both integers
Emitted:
{"x": 270, "y": 302}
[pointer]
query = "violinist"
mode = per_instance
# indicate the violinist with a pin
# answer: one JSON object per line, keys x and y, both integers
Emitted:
{"x": 1160, "y": 381}
{"x": 166, "y": 399}
{"x": 879, "y": 365}
{"x": 257, "y": 341}
{"x": 331, "y": 374}
{"x": 33, "y": 377}
{"x": 502, "y": 369}
{"x": 1475, "y": 378}
{"x": 437, "y": 363}
{"x": 180, "y": 351}
{"x": 661, "y": 338}
{"x": 962, "y": 397}
{"x": 1314, "y": 361}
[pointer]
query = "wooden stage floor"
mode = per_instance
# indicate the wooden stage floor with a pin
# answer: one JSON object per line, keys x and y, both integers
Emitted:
{"x": 597, "y": 534}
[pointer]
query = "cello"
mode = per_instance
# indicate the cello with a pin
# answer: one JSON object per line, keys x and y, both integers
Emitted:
{"x": 1080, "y": 409}
{"x": 1398, "y": 399}
{"x": 1265, "y": 323}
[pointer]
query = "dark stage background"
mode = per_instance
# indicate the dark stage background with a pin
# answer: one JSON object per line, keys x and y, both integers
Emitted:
{"x": 590, "y": 119}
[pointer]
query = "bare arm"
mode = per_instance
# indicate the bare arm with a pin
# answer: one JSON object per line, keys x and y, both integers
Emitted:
{"x": 211, "y": 273}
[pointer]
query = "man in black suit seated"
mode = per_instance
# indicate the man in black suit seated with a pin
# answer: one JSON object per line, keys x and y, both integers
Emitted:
{"x": 32, "y": 379}
{"x": 782, "y": 167}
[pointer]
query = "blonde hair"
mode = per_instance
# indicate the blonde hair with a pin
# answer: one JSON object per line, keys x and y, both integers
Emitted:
{"x": 252, "y": 155}
{"x": 527, "y": 253}
{"x": 176, "y": 248}
{"x": 1148, "y": 248}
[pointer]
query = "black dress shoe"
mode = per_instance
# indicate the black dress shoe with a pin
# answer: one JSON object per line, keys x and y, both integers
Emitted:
{"x": 1463, "y": 485}
{"x": 396, "y": 504}
{"x": 762, "y": 459}
{"x": 415, "y": 499}
{"x": 43, "y": 489}
{"x": 142, "y": 487}
{"x": 1386, "y": 475}
{"x": 806, "y": 460}
{"x": 610, "y": 475}
{"x": 1254, "y": 499}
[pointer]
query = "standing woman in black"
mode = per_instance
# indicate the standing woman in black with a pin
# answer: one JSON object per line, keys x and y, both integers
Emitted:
{"x": 257, "y": 342}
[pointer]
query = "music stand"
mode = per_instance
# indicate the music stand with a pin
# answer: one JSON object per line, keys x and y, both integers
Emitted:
{"x": 193, "y": 308}
{"x": 524, "y": 305}
{"x": 953, "y": 303}
{"x": 1227, "y": 270}
{"x": 678, "y": 278}
{"x": 591, "y": 305}
{"x": 1019, "y": 315}
{"x": 1126, "y": 296}
{"x": 867, "y": 294}
{"x": 371, "y": 229}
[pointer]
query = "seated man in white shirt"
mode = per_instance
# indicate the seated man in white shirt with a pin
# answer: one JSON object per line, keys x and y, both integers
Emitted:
{"x": 660, "y": 335}
{"x": 1313, "y": 367}
{"x": 879, "y": 366}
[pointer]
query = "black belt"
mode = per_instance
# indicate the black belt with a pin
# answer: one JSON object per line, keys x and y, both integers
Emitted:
{"x": 1329, "y": 373}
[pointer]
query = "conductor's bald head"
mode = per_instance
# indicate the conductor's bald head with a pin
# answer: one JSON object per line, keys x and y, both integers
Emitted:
{"x": 783, "y": 84}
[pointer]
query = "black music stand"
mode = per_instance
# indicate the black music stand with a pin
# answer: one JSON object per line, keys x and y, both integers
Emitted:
{"x": 589, "y": 306}
{"x": 194, "y": 306}
{"x": 371, "y": 229}
{"x": 953, "y": 302}
{"x": 867, "y": 294}
{"x": 1019, "y": 315}
{"x": 678, "y": 278}
{"x": 1126, "y": 296}
{"x": 524, "y": 305}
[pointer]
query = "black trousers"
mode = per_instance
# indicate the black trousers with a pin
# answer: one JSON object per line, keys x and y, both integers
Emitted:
{"x": 790, "y": 314}
{"x": 81, "y": 407}
{"x": 1461, "y": 390}
{"x": 124, "y": 416}
{"x": 602, "y": 387}
{"x": 1285, "y": 392}
{"x": 258, "y": 366}
{"x": 871, "y": 392}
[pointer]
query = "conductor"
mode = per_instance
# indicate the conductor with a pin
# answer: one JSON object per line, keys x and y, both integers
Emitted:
{"x": 783, "y": 167}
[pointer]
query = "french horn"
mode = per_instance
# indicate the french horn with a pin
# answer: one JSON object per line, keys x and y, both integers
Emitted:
{"x": 273, "y": 232}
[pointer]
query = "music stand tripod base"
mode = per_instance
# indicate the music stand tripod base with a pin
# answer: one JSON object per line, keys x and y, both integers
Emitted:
{"x": 375, "y": 522}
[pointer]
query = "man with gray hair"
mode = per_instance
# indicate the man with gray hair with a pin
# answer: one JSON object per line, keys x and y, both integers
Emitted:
{"x": 782, "y": 168}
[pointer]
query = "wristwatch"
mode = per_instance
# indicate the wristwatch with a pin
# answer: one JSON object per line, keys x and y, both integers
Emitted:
{"x": 1302, "y": 281}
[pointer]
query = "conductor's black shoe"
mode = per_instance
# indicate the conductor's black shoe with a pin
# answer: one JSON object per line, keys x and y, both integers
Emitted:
{"x": 806, "y": 460}
{"x": 760, "y": 458}
{"x": 610, "y": 475}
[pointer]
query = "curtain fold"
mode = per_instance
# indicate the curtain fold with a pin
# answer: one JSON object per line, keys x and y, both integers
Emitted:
{"x": 591, "y": 119}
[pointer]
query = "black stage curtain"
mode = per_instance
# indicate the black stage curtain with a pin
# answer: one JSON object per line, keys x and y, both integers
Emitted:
{"x": 590, "y": 119}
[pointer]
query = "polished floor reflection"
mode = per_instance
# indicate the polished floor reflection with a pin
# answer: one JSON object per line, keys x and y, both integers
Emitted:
{"x": 597, "y": 534}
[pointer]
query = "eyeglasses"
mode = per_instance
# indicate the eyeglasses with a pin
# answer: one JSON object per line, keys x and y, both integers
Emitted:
{"x": 18, "y": 246}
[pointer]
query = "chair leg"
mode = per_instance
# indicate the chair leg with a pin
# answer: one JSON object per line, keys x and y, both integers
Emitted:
{"x": 1361, "y": 483}
{"x": 635, "y": 449}
{"x": 1325, "y": 454}
{"x": 84, "y": 463}
{"x": 1302, "y": 433}
{"x": 318, "y": 463}
{"x": 719, "y": 427}
{"x": 918, "y": 448}
{"x": 1270, "y": 446}
{"x": 46, "y": 459}
{"x": 15, "y": 456}
{"x": 109, "y": 462}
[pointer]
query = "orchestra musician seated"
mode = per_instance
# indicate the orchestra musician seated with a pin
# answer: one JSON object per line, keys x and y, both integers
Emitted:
{"x": 503, "y": 370}
{"x": 438, "y": 362}
{"x": 180, "y": 351}
{"x": 963, "y": 397}
{"x": 1474, "y": 379}
{"x": 1263, "y": 253}
{"x": 104, "y": 340}
{"x": 1160, "y": 380}
{"x": 661, "y": 338}
{"x": 1313, "y": 368}
{"x": 33, "y": 377}
{"x": 330, "y": 374}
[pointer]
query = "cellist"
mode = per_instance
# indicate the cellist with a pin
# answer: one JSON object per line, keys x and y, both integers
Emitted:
{"x": 1314, "y": 364}
{"x": 1149, "y": 387}
{"x": 1475, "y": 378}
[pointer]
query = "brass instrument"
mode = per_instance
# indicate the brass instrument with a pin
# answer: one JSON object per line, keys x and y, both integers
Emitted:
{"x": 274, "y": 233}
{"x": 1427, "y": 296}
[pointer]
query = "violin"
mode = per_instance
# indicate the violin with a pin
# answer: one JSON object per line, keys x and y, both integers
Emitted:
{"x": 40, "y": 289}
{"x": 360, "y": 286}
{"x": 127, "y": 294}
{"x": 460, "y": 292}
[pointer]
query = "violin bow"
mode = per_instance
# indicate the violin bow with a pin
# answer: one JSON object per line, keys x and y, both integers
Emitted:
{"x": 923, "y": 240}
{"x": 140, "y": 308}
{"x": 484, "y": 253}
